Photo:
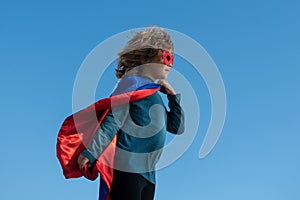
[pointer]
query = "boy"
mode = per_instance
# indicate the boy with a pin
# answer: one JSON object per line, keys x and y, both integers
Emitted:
{"x": 141, "y": 125}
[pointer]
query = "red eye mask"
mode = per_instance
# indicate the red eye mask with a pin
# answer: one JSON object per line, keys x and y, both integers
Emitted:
{"x": 168, "y": 58}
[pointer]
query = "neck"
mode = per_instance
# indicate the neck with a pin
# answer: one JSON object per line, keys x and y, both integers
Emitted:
{"x": 140, "y": 71}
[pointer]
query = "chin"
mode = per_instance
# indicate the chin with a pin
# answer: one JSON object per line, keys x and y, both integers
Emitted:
{"x": 164, "y": 77}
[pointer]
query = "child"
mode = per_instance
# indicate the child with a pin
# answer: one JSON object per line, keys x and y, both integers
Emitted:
{"x": 140, "y": 125}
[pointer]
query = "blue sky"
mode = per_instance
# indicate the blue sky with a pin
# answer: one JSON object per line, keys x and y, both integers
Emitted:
{"x": 255, "y": 45}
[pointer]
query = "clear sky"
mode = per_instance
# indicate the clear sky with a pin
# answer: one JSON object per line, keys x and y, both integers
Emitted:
{"x": 255, "y": 45}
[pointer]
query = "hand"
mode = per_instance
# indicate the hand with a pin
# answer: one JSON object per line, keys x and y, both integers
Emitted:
{"x": 166, "y": 88}
{"x": 82, "y": 160}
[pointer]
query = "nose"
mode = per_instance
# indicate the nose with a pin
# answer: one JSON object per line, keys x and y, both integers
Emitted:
{"x": 170, "y": 65}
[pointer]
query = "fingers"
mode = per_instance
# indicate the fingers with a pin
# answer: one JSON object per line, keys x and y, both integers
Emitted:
{"x": 166, "y": 87}
{"x": 82, "y": 161}
{"x": 162, "y": 82}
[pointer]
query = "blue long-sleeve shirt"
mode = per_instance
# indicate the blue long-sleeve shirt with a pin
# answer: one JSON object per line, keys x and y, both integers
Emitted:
{"x": 141, "y": 126}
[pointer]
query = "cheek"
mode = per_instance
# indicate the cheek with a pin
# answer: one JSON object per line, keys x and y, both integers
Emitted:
{"x": 162, "y": 70}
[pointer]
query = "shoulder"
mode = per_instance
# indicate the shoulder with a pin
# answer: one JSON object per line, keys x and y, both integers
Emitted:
{"x": 130, "y": 83}
{"x": 155, "y": 98}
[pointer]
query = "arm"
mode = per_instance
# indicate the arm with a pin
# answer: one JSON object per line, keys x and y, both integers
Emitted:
{"x": 175, "y": 117}
{"x": 104, "y": 135}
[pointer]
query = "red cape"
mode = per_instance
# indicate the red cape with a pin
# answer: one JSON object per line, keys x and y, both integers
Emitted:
{"x": 78, "y": 130}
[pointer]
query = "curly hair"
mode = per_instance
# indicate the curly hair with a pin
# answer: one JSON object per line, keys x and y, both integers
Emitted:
{"x": 142, "y": 48}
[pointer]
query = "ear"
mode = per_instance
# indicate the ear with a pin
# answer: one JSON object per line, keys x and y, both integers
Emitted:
{"x": 159, "y": 53}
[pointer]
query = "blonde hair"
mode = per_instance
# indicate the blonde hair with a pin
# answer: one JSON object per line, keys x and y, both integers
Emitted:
{"x": 142, "y": 48}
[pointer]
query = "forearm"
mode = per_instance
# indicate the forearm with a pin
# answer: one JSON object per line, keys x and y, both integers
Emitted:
{"x": 105, "y": 133}
{"x": 175, "y": 117}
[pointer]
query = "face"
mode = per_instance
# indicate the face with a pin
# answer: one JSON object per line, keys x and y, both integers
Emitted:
{"x": 167, "y": 58}
{"x": 158, "y": 71}
{"x": 159, "y": 68}
{"x": 164, "y": 64}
